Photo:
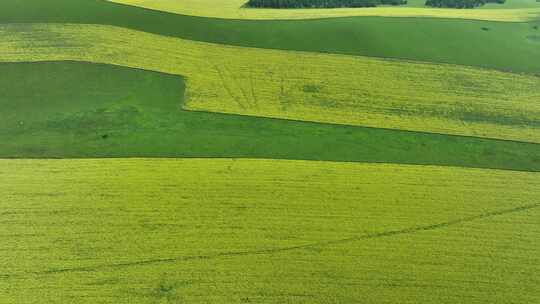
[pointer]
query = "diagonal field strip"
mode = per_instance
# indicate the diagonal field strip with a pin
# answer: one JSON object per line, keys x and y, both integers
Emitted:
{"x": 295, "y": 85}
{"x": 383, "y": 234}
{"x": 428, "y": 39}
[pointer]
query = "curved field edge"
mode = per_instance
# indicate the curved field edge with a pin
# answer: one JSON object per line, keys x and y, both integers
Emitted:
{"x": 415, "y": 233}
{"x": 303, "y": 86}
{"x": 498, "y": 45}
{"x": 235, "y": 10}
{"x": 77, "y": 110}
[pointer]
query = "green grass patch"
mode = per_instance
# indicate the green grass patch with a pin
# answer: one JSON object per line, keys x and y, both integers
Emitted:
{"x": 76, "y": 110}
{"x": 505, "y": 46}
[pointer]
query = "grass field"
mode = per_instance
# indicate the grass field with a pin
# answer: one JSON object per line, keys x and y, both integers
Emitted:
{"x": 499, "y": 45}
{"x": 511, "y": 11}
{"x": 67, "y": 109}
{"x": 222, "y": 231}
{"x": 316, "y": 87}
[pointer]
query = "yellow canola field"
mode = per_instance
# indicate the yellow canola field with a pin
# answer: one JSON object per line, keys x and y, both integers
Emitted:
{"x": 233, "y": 9}
{"x": 303, "y": 86}
{"x": 219, "y": 230}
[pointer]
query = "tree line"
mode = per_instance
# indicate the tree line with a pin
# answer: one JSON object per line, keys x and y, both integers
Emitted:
{"x": 321, "y": 3}
{"x": 461, "y": 3}
{"x": 363, "y": 3}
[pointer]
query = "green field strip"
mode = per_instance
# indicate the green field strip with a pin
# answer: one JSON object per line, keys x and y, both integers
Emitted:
{"x": 499, "y": 45}
{"x": 78, "y": 110}
{"x": 326, "y": 88}
{"x": 209, "y": 230}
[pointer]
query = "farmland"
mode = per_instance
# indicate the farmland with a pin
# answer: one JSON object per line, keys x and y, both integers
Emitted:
{"x": 204, "y": 152}
{"x": 220, "y": 231}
